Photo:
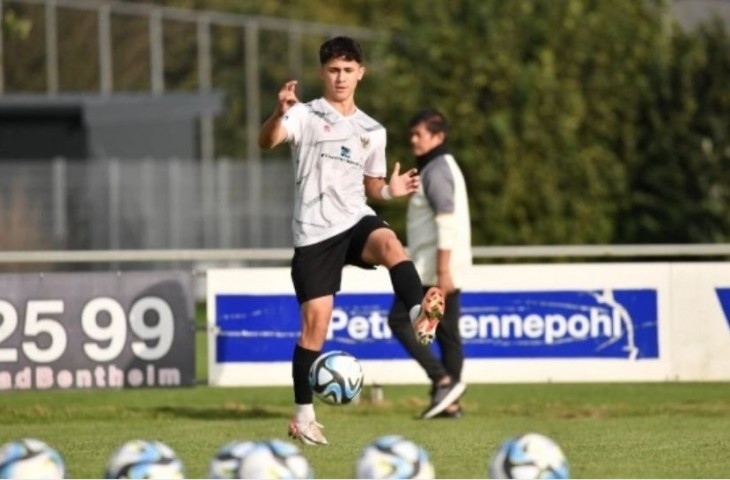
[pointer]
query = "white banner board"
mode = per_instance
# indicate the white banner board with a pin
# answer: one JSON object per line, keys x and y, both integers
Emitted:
{"x": 520, "y": 323}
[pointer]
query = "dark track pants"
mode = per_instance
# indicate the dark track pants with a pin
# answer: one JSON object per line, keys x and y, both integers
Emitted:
{"x": 447, "y": 338}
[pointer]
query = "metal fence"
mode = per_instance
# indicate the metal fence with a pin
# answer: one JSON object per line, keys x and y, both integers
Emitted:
{"x": 151, "y": 203}
{"x": 94, "y": 30}
{"x": 144, "y": 204}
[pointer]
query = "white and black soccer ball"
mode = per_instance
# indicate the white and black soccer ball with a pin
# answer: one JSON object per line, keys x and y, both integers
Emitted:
{"x": 529, "y": 456}
{"x": 336, "y": 377}
{"x": 227, "y": 461}
{"x": 144, "y": 459}
{"x": 30, "y": 458}
{"x": 268, "y": 459}
{"x": 394, "y": 456}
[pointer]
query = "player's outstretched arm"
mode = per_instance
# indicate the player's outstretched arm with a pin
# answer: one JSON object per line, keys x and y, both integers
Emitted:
{"x": 272, "y": 132}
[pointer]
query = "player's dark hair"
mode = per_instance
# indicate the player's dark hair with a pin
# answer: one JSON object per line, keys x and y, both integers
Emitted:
{"x": 433, "y": 119}
{"x": 340, "y": 47}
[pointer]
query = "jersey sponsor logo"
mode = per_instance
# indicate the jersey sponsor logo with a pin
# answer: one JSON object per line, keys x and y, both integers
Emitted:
{"x": 344, "y": 156}
{"x": 345, "y": 153}
{"x": 609, "y": 323}
{"x": 723, "y": 295}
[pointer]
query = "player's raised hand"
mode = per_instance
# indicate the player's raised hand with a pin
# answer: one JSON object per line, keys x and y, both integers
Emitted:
{"x": 272, "y": 132}
{"x": 402, "y": 184}
{"x": 287, "y": 96}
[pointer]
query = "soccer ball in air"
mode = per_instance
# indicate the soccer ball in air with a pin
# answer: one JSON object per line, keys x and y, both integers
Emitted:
{"x": 529, "y": 456}
{"x": 336, "y": 377}
{"x": 266, "y": 459}
{"x": 30, "y": 458}
{"x": 144, "y": 459}
{"x": 394, "y": 456}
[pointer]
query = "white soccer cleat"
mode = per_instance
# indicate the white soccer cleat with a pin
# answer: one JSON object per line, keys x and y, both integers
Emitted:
{"x": 309, "y": 433}
{"x": 432, "y": 310}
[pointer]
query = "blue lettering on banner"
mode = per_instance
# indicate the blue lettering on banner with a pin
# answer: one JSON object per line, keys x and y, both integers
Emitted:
{"x": 545, "y": 324}
{"x": 723, "y": 294}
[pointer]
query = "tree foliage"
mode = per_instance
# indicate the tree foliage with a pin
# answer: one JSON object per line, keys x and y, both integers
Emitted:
{"x": 542, "y": 99}
{"x": 575, "y": 121}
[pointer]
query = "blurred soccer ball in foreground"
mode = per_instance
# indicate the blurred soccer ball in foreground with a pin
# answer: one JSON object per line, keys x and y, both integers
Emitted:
{"x": 228, "y": 459}
{"x": 336, "y": 377}
{"x": 394, "y": 456}
{"x": 529, "y": 456}
{"x": 268, "y": 459}
{"x": 144, "y": 459}
{"x": 30, "y": 458}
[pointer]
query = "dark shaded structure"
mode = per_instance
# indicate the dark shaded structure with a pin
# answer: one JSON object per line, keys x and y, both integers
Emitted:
{"x": 123, "y": 126}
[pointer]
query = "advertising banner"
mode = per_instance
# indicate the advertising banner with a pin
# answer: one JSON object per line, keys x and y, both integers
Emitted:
{"x": 701, "y": 330}
{"x": 559, "y": 324}
{"x": 96, "y": 330}
{"x": 519, "y": 323}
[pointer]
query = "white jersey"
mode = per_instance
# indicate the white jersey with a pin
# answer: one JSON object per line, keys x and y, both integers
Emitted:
{"x": 442, "y": 192}
{"x": 331, "y": 153}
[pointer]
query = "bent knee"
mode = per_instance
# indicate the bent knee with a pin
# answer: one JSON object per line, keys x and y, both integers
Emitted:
{"x": 384, "y": 248}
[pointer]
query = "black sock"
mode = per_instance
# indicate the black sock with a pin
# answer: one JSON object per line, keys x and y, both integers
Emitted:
{"x": 302, "y": 361}
{"x": 407, "y": 284}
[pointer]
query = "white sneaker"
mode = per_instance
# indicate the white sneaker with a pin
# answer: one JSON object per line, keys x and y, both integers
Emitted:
{"x": 432, "y": 310}
{"x": 309, "y": 433}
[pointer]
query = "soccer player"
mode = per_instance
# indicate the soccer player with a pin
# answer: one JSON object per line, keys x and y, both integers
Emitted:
{"x": 438, "y": 230}
{"x": 339, "y": 162}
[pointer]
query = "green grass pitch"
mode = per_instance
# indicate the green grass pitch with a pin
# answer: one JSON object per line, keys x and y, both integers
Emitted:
{"x": 632, "y": 430}
{"x": 663, "y": 430}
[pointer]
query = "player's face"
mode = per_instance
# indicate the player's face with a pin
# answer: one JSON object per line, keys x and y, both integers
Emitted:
{"x": 423, "y": 141}
{"x": 340, "y": 78}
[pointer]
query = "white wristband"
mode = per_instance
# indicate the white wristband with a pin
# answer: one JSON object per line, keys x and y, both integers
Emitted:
{"x": 385, "y": 192}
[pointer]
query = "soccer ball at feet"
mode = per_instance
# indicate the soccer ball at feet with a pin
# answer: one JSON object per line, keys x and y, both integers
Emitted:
{"x": 30, "y": 458}
{"x": 264, "y": 460}
{"x": 529, "y": 456}
{"x": 394, "y": 456}
{"x": 144, "y": 459}
{"x": 336, "y": 377}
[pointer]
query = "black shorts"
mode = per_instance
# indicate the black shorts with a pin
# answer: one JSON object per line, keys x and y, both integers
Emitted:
{"x": 316, "y": 270}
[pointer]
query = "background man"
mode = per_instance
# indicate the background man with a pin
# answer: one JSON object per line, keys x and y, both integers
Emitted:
{"x": 439, "y": 242}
